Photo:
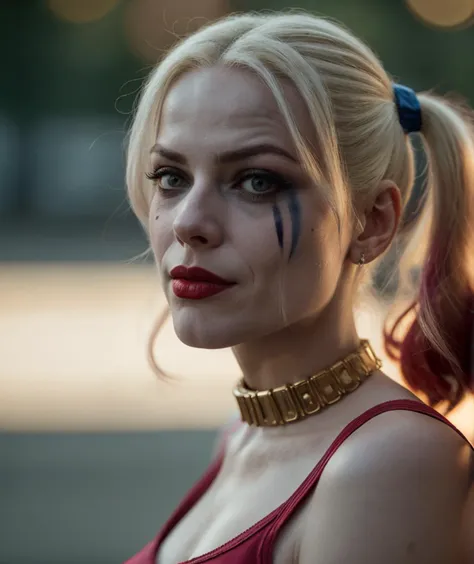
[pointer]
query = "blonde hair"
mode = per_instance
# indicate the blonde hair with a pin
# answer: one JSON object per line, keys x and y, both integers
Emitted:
{"x": 359, "y": 143}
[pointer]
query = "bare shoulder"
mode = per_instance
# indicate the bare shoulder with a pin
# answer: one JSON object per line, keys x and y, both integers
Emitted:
{"x": 395, "y": 492}
{"x": 401, "y": 441}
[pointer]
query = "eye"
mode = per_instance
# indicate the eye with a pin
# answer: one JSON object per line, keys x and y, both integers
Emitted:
{"x": 258, "y": 185}
{"x": 167, "y": 179}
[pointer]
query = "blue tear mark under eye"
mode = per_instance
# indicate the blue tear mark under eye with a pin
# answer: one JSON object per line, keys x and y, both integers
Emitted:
{"x": 278, "y": 225}
{"x": 295, "y": 213}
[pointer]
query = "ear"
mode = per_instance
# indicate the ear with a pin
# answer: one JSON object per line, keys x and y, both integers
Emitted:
{"x": 379, "y": 223}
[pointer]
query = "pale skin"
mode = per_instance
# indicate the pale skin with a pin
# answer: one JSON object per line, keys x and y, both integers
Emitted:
{"x": 396, "y": 490}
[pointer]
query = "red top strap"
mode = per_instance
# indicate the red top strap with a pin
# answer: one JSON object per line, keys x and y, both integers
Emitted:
{"x": 311, "y": 481}
{"x": 255, "y": 545}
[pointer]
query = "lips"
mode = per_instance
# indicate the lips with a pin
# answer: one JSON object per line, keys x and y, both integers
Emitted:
{"x": 195, "y": 283}
{"x": 197, "y": 274}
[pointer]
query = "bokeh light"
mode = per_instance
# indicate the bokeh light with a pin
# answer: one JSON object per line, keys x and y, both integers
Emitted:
{"x": 81, "y": 11}
{"x": 152, "y": 26}
{"x": 443, "y": 13}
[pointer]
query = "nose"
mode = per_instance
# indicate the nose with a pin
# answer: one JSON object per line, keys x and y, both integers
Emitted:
{"x": 197, "y": 222}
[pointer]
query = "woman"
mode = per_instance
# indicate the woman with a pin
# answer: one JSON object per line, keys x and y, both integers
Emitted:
{"x": 269, "y": 163}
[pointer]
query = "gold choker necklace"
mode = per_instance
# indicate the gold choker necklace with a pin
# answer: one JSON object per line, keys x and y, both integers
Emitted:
{"x": 293, "y": 402}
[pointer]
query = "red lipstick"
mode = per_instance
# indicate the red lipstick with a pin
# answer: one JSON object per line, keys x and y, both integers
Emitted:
{"x": 195, "y": 283}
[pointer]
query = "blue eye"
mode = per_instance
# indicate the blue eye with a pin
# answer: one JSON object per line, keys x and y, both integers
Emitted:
{"x": 256, "y": 185}
{"x": 167, "y": 179}
{"x": 260, "y": 185}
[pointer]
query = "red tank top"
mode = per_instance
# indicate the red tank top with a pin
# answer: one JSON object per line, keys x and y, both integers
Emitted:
{"x": 255, "y": 545}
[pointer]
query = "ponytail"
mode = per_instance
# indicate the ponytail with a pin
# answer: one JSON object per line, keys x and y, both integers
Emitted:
{"x": 436, "y": 353}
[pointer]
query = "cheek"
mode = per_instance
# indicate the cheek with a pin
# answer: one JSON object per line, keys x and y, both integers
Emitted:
{"x": 312, "y": 275}
{"x": 160, "y": 226}
{"x": 257, "y": 244}
{"x": 277, "y": 243}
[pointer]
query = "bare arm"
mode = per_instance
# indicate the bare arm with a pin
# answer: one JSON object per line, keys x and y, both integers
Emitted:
{"x": 395, "y": 494}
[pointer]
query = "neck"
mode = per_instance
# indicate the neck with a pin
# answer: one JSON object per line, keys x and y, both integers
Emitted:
{"x": 298, "y": 351}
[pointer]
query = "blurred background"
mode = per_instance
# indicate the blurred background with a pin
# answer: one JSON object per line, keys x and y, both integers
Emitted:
{"x": 95, "y": 452}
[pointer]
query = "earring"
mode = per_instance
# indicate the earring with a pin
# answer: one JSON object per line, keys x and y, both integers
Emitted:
{"x": 361, "y": 260}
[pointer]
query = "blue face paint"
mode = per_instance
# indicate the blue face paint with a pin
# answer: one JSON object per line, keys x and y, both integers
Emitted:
{"x": 294, "y": 208}
{"x": 278, "y": 225}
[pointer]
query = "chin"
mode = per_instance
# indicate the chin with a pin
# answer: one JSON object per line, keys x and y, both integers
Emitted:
{"x": 204, "y": 339}
{"x": 205, "y": 331}
{"x": 204, "y": 335}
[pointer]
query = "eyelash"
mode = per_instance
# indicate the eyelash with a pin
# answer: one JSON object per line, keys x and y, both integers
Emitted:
{"x": 158, "y": 173}
{"x": 274, "y": 178}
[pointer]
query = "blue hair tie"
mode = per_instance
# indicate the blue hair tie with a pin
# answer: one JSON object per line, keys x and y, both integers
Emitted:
{"x": 408, "y": 107}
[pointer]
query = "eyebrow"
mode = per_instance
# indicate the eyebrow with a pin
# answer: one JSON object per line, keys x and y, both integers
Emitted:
{"x": 228, "y": 156}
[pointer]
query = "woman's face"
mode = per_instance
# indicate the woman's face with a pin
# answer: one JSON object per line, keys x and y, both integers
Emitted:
{"x": 231, "y": 198}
